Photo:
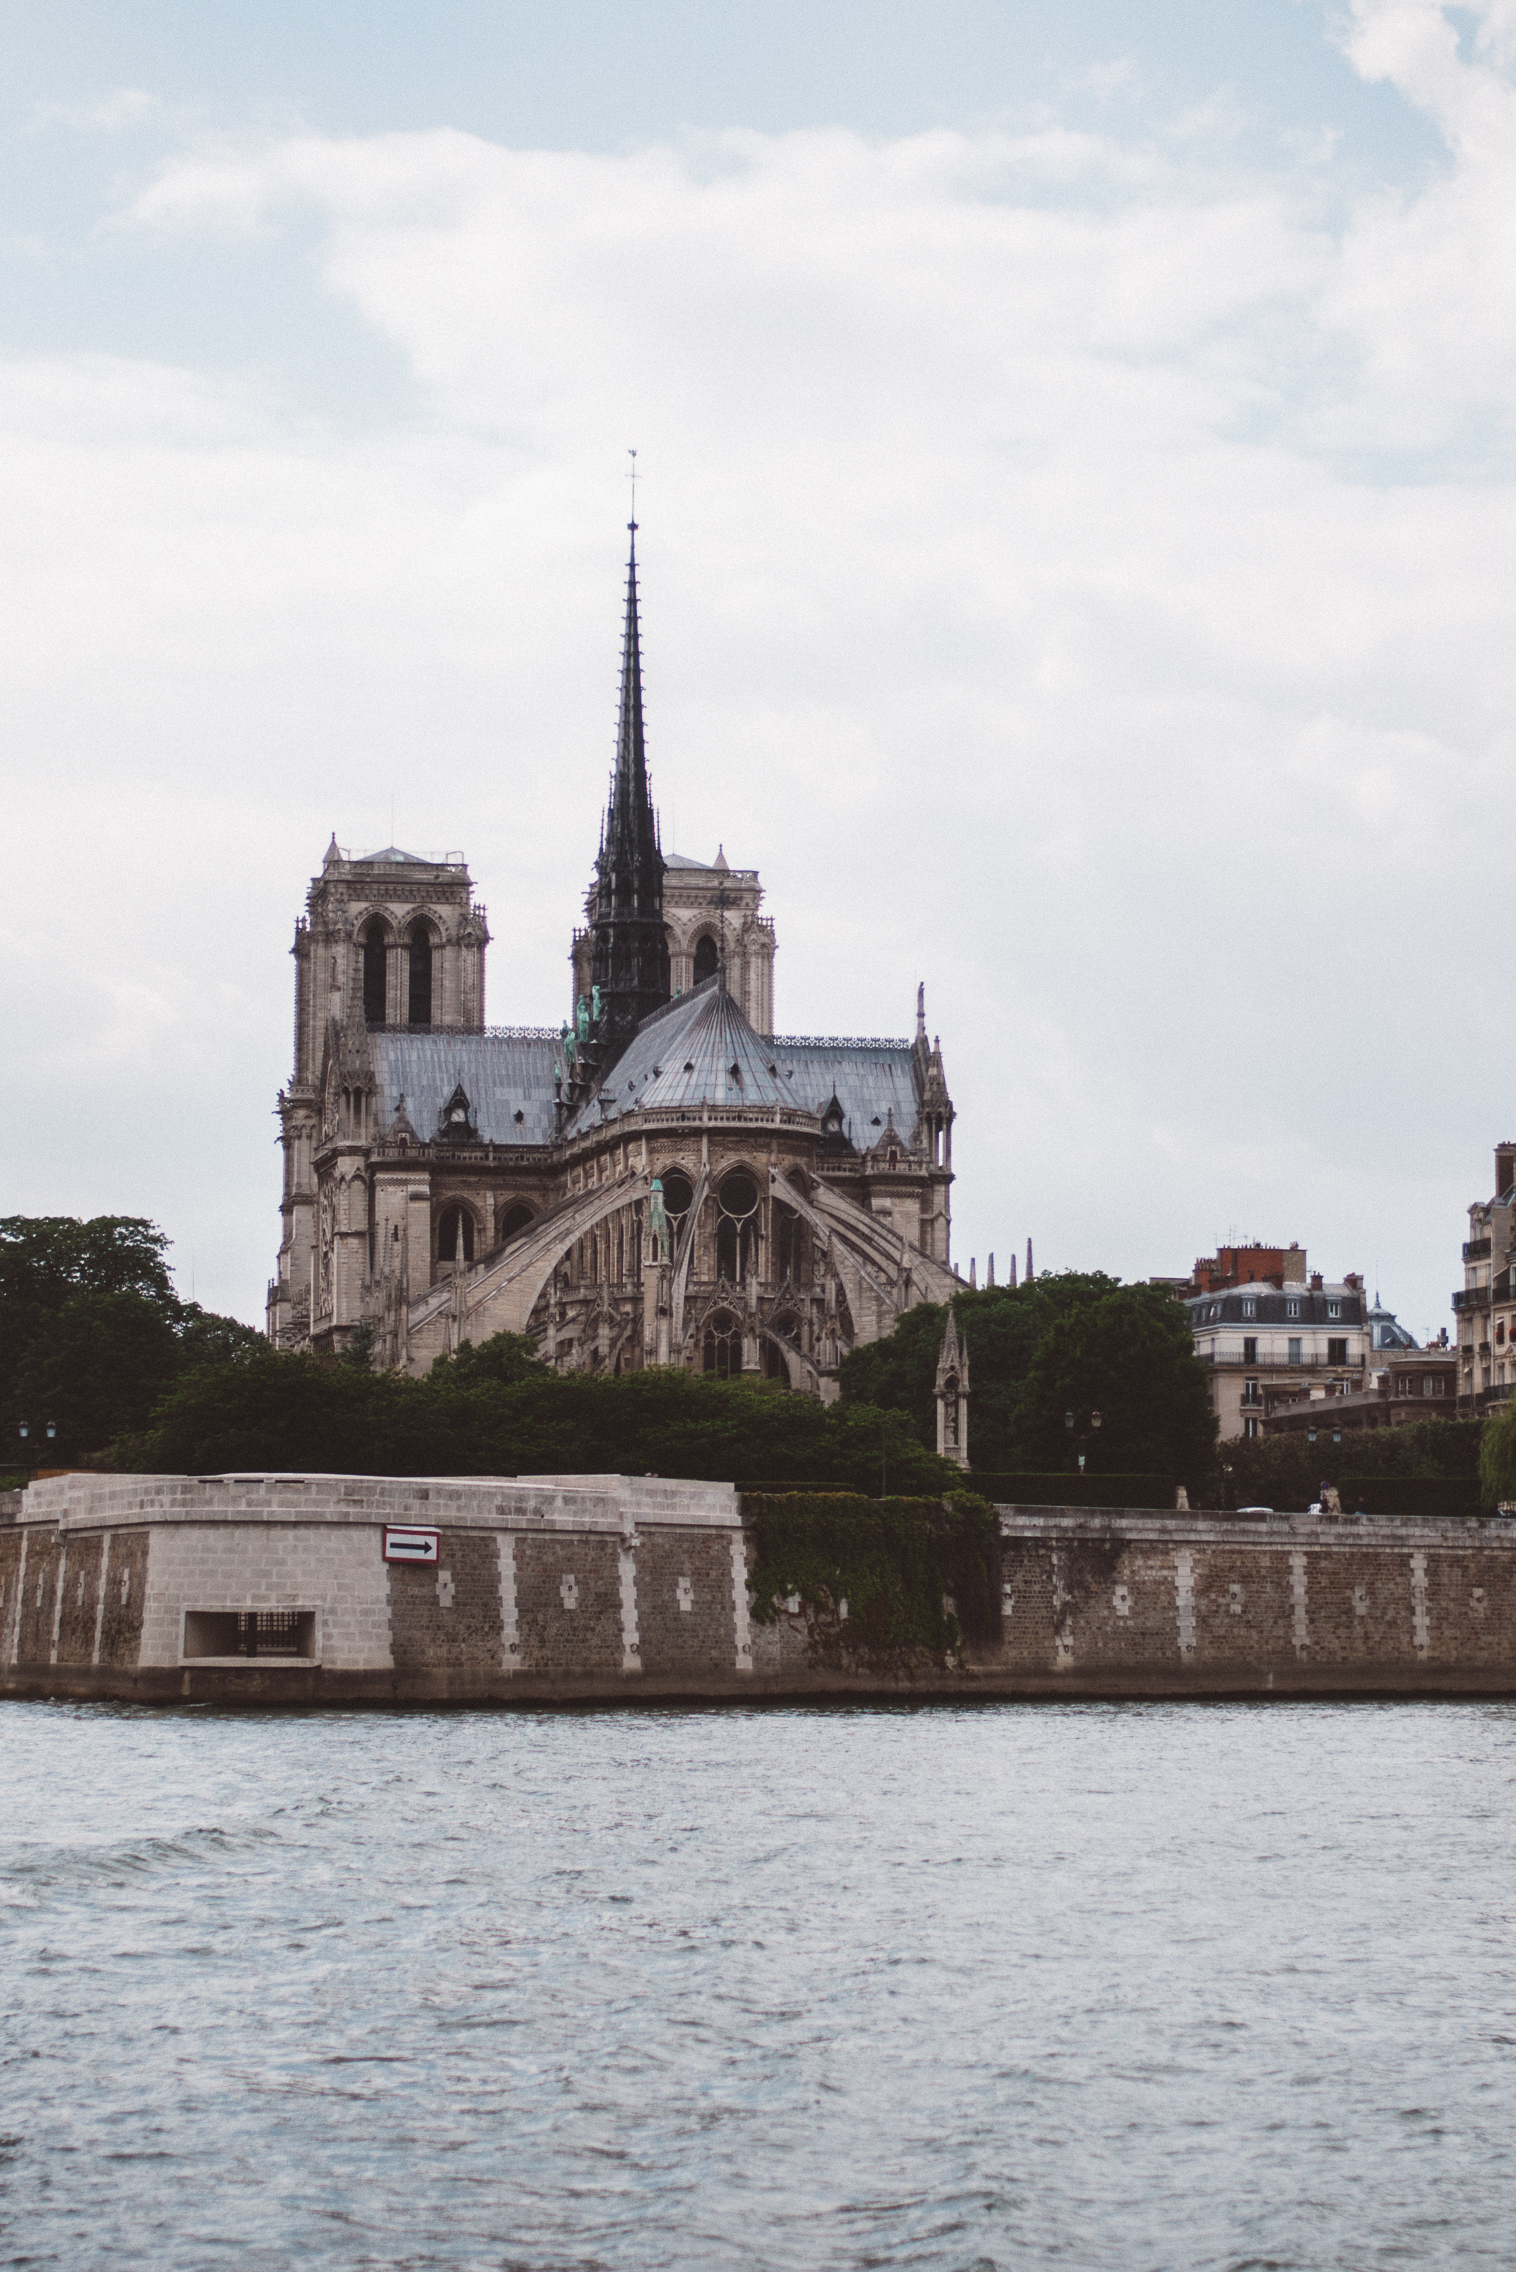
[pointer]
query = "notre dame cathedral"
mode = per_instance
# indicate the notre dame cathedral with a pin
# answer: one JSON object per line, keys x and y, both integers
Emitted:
{"x": 663, "y": 1180}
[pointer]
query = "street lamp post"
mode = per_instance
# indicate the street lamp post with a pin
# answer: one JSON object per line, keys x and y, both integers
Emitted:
{"x": 1081, "y": 1432}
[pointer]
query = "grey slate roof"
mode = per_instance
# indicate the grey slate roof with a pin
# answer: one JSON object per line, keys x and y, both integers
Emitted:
{"x": 680, "y": 1058}
{"x": 685, "y": 1054}
{"x": 503, "y": 1074}
{"x": 869, "y": 1079}
{"x": 699, "y": 1049}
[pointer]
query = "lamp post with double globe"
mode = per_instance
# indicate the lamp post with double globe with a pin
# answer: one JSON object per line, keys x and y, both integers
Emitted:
{"x": 1082, "y": 1431}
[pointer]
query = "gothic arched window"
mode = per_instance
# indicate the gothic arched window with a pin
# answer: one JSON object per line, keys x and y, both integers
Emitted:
{"x": 678, "y": 1191}
{"x": 705, "y": 957}
{"x": 455, "y": 1235}
{"x": 419, "y": 1005}
{"x": 375, "y": 991}
{"x": 737, "y": 1227}
{"x": 774, "y": 1366}
{"x": 513, "y": 1220}
{"x": 723, "y": 1346}
{"x": 789, "y": 1245}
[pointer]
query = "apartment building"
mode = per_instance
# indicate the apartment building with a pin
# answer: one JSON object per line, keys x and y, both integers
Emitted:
{"x": 1269, "y": 1331}
{"x": 1484, "y": 1307}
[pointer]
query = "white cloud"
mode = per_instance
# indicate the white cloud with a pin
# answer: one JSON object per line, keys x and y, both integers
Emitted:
{"x": 123, "y": 108}
{"x": 1038, "y": 586}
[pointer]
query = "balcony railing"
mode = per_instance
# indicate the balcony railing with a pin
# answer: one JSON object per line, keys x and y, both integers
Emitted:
{"x": 1471, "y": 1298}
{"x": 1475, "y": 1250}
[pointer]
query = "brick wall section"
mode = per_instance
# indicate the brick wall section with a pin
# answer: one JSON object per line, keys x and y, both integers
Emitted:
{"x": 701, "y": 1638}
{"x": 1119, "y": 1604}
{"x": 1085, "y": 1592}
{"x": 1100, "y": 1602}
{"x": 39, "y": 1598}
{"x": 10, "y": 1580}
{"x": 337, "y": 1570}
{"x": 1244, "y": 1607}
{"x": 1471, "y": 1609}
{"x": 448, "y": 1615}
{"x": 1029, "y": 1581}
{"x": 125, "y": 1599}
{"x": 81, "y": 1598}
{"x": 552, "y": 1637}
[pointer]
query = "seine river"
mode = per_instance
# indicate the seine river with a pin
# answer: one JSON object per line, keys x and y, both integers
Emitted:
{"x": 1097, "y": 1986}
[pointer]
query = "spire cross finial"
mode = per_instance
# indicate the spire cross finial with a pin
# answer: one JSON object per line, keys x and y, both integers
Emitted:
{"x": 632, "y": 478}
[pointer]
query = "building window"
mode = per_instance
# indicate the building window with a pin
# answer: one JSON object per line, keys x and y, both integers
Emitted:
{"x": 1437, "y": 1385}
{"x": 1337, "y": 1351}
{"x": 737, "y": 1228}
{"x": 787, "y": 1251}
{"x": 705, "y": 958}
{"x": 1250, "y": 1425}
{"x": 1292, "y": 1309}
{"x": 1334, "y": 1309}
{"x": 1294, "y": 1349}
{"x": 455, "y": 1235}
{"x": 1250, "y": 1309}
{"x": 374, "y": 993}
{"x": 723, "y": 1346}
{"x": 785, "y": 1327}
{"x": 1251, "y": 1393}
{"x": 513, "y": 1220}
{"x": 419, "y": 1004}
{"x": 1250, "y": 1348}
{"x": 678, "y": 1193}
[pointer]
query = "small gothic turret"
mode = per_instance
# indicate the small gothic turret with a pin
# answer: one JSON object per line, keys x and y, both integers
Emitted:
{"x": 631, "y": 957}
{"x": 953, "y": 1394}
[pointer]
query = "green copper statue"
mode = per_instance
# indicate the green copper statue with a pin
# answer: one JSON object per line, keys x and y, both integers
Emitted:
{"x": 583, "y": 1021}
{"x": 658, "y": 1222}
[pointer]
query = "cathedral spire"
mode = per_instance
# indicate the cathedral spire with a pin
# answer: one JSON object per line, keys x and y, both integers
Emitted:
{"x": 630, "y": 822}
{"x": 630, "y": 968}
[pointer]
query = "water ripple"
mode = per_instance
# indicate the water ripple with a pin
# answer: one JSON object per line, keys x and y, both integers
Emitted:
{"x": 1105, "y": 1987}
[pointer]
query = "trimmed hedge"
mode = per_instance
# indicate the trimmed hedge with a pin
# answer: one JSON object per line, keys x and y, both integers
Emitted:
{"x": 1075, "y": 1490}
{"x": 1410, "y": 1494}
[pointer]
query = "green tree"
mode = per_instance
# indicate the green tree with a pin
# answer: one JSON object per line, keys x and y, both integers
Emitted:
{"x": 94, "y": 1367}
{"x": 1129, "y": 1356}
{"x": 273, "y": 1411}
{"x": 92, "y": 1332}
{"x": 46, "y": 1259}
{"x": 1288, "y": 1471}
{"x": 1003, "y": 1327}
{"x": 504, "y": 1359}
{"x": 358, "y": 1356}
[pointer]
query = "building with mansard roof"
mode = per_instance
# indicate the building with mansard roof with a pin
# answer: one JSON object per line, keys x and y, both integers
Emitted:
{"x": 660, "y": 1180}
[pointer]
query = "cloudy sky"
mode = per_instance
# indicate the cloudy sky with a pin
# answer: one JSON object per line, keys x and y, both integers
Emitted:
{"x": 1077, "y": 548}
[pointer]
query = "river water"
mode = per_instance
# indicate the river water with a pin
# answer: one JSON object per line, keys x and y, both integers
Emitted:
{"x": 1088, "y": 1986}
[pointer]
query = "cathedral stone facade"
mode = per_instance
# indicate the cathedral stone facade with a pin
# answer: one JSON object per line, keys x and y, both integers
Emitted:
{"x": 662, "y": 1180}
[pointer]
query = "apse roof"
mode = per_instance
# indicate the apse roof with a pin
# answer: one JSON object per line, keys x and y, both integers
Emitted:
{"x": 701, "y": 1050}
{"x": 698, "y": 1049}
{"x": 503, "y": 1074}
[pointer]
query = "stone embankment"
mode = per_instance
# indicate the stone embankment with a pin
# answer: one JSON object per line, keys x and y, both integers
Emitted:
{"x": 311, "y": 1589}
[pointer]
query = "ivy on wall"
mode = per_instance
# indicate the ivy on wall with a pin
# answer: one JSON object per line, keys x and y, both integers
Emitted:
{"x": 882, "y": 1581}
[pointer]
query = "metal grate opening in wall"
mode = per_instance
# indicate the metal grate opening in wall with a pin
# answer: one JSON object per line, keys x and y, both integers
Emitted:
{"x": 249, "y": 1633}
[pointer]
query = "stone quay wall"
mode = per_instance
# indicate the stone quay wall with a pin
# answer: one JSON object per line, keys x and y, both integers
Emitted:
{"x": 599, "y": 1588}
